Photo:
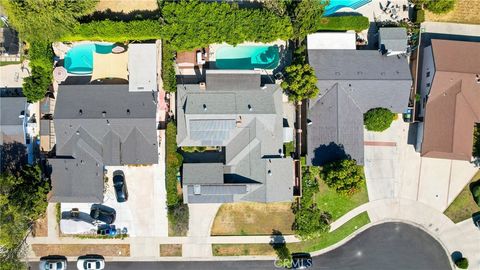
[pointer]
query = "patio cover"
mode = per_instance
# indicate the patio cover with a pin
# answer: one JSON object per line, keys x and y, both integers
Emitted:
{"x": 110, "y": 66}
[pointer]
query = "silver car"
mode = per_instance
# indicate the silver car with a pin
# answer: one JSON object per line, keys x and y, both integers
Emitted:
{"x": 90, "y": 263}
{"x": 52, "y": 264}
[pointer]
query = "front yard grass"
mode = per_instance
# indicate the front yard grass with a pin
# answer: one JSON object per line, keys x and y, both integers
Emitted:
{"x": 465, "y": 11}
{"x": 122, "y": 250}
{"x": 339, "y": 204}
{"x": 325, "y": 240}
{"x": 463, "y": 206}
{"x": 171, "y": 250}
{"x": 253, "y": 219}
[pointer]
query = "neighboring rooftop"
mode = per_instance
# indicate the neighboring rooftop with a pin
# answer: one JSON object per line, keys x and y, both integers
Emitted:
{"x": 97, "y": 125}
{"x": 12, "y": 113}
{"x": 234, "y": 112}
{"x": 392, "y": 40}
{"x": 332, "y": 41}
{"x": 453, "y": 105}
{"x": 142, "y": 67}
{"x": 351, "y": 82}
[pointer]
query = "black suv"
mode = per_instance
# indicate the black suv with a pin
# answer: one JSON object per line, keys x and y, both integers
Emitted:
{"x": 103, "y": 213}
{"x": 120, "y": 186}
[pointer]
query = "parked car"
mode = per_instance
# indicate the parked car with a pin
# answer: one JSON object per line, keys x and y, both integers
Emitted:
{"x": 103, "y": 213}
{"x": 53, "y": 263}
{"x": 301, "y": 261}
{"x": 90, "y": 262}
{"x": 120, "y": 186}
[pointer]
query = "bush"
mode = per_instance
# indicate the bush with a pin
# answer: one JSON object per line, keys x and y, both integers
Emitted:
{"x": 169, "y": 76}
{"x": 462, "y": 263}
{"x": 342, "y": 23}
{"x": 378, "y": 119}
{"x": 191, "y": 149}
{"x": 178, "y": 219}
{"x": 439, "y": 6}
{"x": 116, "y": 31}
{"x": 476, "y": 193}
{"x": 195, "y": 24}
{"x": 36, "y": 85}
{"x": 420, "y": 16}
{"x": 344, "y": 176}
{"x": 173, "y": 163}
{"x": 300, "y": 82}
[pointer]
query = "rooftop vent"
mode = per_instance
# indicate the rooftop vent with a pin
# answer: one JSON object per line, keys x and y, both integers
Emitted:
{"x": 270, "y": 172}
{"x": 128, "y": 111}
{"x": 204, "y": 107}
{"x": 250, "y": 107}
{"x": 104, "y": 113}
{"x": 477, "y": 77}
{"x": 80, "y": 112}
{"x": 202, "y": 86}
{"x": 108, "y": 122}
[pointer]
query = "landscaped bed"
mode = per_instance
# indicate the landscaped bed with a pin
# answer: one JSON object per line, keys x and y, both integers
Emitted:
{"x": 323, "y": 241}
{"x": 464, "y": 205}
{"x": 118, "y": 250}
{"x": 253, "y": 219}
{"x": 170, "y": 250}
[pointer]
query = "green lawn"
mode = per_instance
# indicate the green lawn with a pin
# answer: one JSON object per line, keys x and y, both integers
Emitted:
{"x": 337, "y": 204}
{"x": 463, "y": 206}
{"x": 325, "y": 240}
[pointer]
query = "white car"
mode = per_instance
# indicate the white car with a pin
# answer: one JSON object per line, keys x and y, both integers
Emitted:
{"x": 90, "y": 263}
{"x": 52, "y": 264}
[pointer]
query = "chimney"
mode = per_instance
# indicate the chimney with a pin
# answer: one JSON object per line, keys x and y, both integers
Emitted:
{"x": 203, "y": 86}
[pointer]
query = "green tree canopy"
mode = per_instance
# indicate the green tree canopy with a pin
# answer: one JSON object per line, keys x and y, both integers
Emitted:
{"x": 193, "y": 24}
{"x": 378, "y": 119}
{"x": 344, "y": 175}
{"x": 307, "y": 17}
{"x": 300, "y": 82}
{"x": 439, "y": 6}
{"x": 45, "y": 20}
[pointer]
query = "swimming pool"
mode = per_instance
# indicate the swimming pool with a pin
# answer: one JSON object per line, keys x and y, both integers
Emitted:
{"x": 247, "y": 57}
{"x": 79, "y": 59}
{"x": 335, "y": 5}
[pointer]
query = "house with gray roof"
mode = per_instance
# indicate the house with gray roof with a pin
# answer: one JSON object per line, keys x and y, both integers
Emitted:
{"x": 351, "y": 82}
{"x": 97, "y": 126}
{"x": 232, "y": 111}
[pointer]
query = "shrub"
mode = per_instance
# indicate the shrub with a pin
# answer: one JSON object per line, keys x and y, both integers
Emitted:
{"x": 462, "y": 263}
{"x": 191, "y": 149}
{"x": 420, "y": 16}
{"x": 476, "y": 193}
{"x": 173, "y": 163}
{"x": 476, "y": 141}
{"x": 169, "y": 76}
{"x": 378, "y": 119}
{"x": 344, "y": 176}
{"x": 341, "y": 23}
{"x": 194, "y": 24}
{"x": 36, "y": 85}
{"x": 439, "y": 6}
{"x": 116, "y": 31}
{"x": 178, "y": 219}
{"x": 300, "y": 82}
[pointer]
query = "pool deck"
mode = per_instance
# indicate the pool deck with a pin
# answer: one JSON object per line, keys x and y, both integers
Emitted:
{"x": 374, "y": 13}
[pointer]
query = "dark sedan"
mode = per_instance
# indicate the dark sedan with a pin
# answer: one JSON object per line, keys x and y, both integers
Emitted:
{"x": 120, "y": 186}
{"x": 103, "y": 213}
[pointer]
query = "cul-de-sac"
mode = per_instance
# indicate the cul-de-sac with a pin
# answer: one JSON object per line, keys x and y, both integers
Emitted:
{"x": 239, "y": 134}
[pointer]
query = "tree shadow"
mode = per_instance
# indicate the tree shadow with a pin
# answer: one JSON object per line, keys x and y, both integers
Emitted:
{"x": 12, "y": 157}
{"x": 328, "y": 153}
{"x": 279, "y": 245}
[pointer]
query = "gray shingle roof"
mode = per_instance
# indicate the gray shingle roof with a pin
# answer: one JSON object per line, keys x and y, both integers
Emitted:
{"x": 351, "y": 82}
{"x": 249, "y": 124}
{"x": 225, "y": 80}
{"x": 393, "y": 38}
{"x": 105, "y": 125}
{"x": 11, "y": 126}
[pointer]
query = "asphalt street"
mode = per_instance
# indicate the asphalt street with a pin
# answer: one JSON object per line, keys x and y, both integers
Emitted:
{"x": 388, "y": 246}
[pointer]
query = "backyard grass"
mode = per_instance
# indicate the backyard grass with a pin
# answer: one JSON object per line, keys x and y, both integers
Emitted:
{"x": 171, "y": 250}
{"x": 325, "y": 240}
{"x": 338, "y": 204}
{"x": 122, "y": 250}
{"x": 463, "y": 206}
{"x": 253, "y": 219}
{"x": 465, "y": 11}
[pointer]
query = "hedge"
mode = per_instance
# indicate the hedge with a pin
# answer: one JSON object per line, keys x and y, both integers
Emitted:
{"x": 169, "y": 76}
{"x": 173, "y": 163}
{"x": 116, "y": 31}
{"x": 420, "y": 16}
{"x": 36, "y": 85}
{"x": 342, "y": 23}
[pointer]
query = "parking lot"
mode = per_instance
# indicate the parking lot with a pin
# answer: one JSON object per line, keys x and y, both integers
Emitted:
{"x": 143, "y": 214}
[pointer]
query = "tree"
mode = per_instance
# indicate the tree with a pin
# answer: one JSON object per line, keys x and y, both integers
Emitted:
{"x": 36, "y": 85}
{"x": 462, "y": 263}
{"x": 300, "y": 82}
{"x": 439, "y": 6}
{"x": 378, "y": 119}
{"x": 278, "y": 7}
{"x": 344, "y": 176}
{"x": 45, "y": 20}
{"x": 307, "y": 17}
{"x": 476, "y": 193}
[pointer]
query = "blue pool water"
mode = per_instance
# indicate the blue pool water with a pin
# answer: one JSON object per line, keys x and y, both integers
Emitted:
{"x": 247, "y": 57}
{"x": 79, "y": 59}
{"x": 335, "y": 5}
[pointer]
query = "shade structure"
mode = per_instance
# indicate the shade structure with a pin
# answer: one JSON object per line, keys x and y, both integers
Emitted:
{"x": 60, "y": 74}
{"x": 110, "y": 66}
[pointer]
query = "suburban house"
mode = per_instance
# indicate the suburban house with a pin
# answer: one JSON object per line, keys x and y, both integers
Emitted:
{"x": 450, "y": 87}
{"x": 95, "y": 126}
{"x": 243, "y": 119}
{"x": 13, "y": 119}
{"x": 392, "y": 40}
{"x": 351, "y": 82}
